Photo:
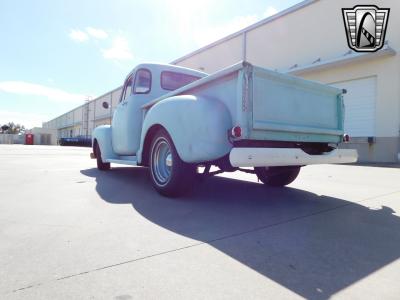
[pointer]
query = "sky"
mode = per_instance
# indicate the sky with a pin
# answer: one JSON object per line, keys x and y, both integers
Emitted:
{"x": 55, "y": 54}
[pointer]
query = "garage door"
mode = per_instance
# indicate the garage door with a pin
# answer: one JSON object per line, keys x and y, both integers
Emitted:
{"x": 360, "y": 105}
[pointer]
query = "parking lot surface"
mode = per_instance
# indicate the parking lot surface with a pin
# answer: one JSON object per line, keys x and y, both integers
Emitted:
{"x": 69, "y": 231}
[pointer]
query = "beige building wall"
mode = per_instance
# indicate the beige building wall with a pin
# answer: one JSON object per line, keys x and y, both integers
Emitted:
{"x": 115, "y": 95}
{"x": 74, "y": 123}
{"x": 316, "y": 33}
{"x": 101, "y": 112}
{"x": 106, "y": 121}
{"x": 43, "y": 136}
{"x": 217, "y": 57}
{"x": 77, "y": 121}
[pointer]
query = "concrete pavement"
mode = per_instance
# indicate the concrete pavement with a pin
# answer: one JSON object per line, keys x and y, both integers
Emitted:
{"x": 68, "y": 231}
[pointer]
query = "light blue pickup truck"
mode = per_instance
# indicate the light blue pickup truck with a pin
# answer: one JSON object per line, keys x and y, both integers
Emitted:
{"x": 180, "y": 122}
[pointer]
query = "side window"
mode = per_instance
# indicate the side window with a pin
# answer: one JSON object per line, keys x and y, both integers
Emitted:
{"x": 127, "y": 89}
{"x": 142, "y": 82}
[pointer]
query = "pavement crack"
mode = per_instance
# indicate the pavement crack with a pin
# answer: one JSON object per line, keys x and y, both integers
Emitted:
{"x": 211, "y": 241}
{"x": 132, "y": 260}
{"x": 298, "y": 218}
{"x": 27, "y": 287}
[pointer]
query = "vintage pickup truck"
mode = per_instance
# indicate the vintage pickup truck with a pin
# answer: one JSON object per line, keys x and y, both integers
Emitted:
{"x": 178, "y": 122}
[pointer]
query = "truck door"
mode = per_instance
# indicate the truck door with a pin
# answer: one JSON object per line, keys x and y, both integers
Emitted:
{"x": 127, "y": 120}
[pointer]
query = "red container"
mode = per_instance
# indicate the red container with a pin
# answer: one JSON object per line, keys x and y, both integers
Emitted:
{"x": 29, "y": 139}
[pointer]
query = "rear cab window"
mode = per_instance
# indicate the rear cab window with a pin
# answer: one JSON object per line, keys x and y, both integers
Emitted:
{"x": 171, "y": 81}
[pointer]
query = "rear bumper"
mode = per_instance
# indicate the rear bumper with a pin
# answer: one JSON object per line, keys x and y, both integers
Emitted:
{"x": 273, "y": 157}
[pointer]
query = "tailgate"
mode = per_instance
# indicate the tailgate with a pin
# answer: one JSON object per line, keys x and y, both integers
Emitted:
{"x": 293, "y": 109}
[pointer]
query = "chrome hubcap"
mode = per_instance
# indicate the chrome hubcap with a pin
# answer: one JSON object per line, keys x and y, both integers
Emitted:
{"x": 162, "y": 161}
{"x": 168, "y": 160}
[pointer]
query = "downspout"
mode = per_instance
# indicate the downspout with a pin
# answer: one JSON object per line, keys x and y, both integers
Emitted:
{"x": 244, "y": 46}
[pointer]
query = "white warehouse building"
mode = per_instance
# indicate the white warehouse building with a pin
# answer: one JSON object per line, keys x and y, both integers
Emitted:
{"x": 306, "y": 40}
{"x": 82, "y": 120}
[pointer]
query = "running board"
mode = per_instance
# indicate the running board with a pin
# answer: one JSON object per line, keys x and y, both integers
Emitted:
{"x": 128, "y": 160}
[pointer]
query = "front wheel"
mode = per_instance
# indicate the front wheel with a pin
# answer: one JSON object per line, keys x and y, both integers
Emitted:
{"x": 170, "y": 176}
{"x": 100, "y": 164}
{"x": 277, "y": 176}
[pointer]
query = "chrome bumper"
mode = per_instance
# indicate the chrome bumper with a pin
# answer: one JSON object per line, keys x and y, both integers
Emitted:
{"x": 273, "y": 157}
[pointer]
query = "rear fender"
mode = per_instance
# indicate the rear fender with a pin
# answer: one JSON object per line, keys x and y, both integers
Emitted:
{"x": 198, "y": 127}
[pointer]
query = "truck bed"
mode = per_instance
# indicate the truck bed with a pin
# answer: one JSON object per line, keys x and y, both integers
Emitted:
{"x": 293, "y": 109}
{"x": 272, "y": 106}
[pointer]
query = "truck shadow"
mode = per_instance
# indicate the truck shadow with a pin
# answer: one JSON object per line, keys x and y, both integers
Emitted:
{"x": 313, "y": 245}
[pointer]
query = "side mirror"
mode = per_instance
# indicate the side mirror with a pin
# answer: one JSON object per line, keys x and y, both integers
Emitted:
{"x": 106, "y": 105}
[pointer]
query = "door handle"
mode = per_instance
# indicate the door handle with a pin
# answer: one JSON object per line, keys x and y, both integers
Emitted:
{"x": 125, "y": 103}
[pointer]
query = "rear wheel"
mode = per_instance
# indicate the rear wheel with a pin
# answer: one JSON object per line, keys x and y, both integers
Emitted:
{"x": 277, "y": 176}
{"x": 171, "y": 176}
{"x": 100, "y": 164}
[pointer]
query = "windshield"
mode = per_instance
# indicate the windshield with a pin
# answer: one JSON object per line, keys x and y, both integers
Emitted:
{"x": 171, "y": 80}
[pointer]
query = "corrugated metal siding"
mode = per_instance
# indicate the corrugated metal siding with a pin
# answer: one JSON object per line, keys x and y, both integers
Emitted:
{"x": 360, "y": 106}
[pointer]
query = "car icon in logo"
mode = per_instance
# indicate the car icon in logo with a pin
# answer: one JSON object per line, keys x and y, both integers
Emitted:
{"x": 365, "y": 27}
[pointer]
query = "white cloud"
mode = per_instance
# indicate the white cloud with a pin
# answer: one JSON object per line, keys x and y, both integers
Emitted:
{"x": 78, "y": 35}
{"x": 97, "y": 33}
{"x": 27, "y": 88}
{"x": 29, "y": 120}
{"x": 119, "y": 50}
{"x": 270, "y": 11}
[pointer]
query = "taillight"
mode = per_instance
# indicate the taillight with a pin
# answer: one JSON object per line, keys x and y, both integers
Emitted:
{"x": 236, "y": 131}
{"x": 346, "y": 138}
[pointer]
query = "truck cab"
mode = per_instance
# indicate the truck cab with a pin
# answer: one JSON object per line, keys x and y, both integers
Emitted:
{"x": 145, "y": 83}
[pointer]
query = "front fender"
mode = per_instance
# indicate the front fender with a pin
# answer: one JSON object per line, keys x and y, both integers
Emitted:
{"x": 103, "y": 136}
{"x": 198, "y": 126}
